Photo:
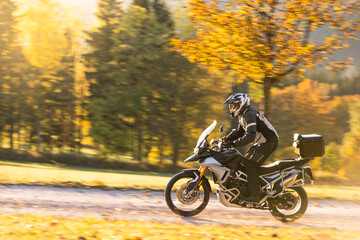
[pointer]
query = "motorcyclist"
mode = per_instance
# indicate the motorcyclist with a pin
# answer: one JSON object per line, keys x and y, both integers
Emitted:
{"x": 253, "y": 128}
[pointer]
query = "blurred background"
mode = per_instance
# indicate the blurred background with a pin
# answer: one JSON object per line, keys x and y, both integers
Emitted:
{"x": 100, "y": 83}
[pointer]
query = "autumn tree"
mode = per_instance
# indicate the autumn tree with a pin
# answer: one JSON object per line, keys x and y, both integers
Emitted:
{"x": 61, "y": 99}
{"x": 46, "y": 34}
{"x": 331, "y": 161}
{"x": 350, "y": 145}
{"x": 336, "y": 119}
{"x": 266, "y": 40}
{"x": 7, "y": 35}
{"x": 7, "y": 32}
{"x": 12, "y": 65}
{"x": 305, "y": 109}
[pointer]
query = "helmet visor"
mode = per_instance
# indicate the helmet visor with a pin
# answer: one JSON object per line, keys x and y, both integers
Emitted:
{"x": 233, "y": 107}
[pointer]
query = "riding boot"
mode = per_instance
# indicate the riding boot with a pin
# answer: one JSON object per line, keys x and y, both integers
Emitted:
{"x": 253, "y": 182}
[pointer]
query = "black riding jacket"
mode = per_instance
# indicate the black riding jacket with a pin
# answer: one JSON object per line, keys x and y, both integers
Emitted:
{"x": 253, "y": 128}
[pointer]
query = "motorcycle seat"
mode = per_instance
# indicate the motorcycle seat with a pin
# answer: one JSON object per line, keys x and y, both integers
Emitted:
{"x": 280, "y": 165}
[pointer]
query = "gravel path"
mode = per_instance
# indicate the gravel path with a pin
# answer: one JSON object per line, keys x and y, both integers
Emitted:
{"x": 151, "y": 206}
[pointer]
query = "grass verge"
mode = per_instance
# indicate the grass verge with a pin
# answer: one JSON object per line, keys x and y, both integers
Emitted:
{"x": 48, "y": 227}
{"x": 49, "y": 175}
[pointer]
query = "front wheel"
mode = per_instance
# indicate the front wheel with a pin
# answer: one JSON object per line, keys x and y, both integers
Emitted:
{"x": 182, "y": 203}
{"x": 289, "y": 205}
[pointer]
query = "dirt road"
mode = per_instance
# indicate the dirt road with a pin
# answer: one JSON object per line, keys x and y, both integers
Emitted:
{"x": 151, "y": 206}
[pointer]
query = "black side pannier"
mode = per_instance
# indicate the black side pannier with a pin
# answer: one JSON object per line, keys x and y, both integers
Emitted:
{"x": 309, "y": 145}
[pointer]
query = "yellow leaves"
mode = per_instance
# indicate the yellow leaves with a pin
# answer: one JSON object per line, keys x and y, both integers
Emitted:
{"x": 262, "y": 9}
{"x": 241, "y": 38}
{"x": 31, "y": 84}
{"x": 300, "y": 75}
{"x": 342, "y": 172}
{"x": 301, "y": 72}
{"x": 192, "y": 58}
{"x": 33, "y": 227}
{"x": 86, "y": 124}
{"x": 42, "y": 29}
{"x": 45, "y": 84}
{"x": 176, "y": 42}
{"x": 6, "y": 86}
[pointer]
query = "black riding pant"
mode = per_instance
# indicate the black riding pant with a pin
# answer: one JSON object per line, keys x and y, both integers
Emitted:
{"x": 255, "y": 157}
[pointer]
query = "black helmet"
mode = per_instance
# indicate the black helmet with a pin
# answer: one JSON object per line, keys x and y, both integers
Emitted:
{"x": 237, "y": 103}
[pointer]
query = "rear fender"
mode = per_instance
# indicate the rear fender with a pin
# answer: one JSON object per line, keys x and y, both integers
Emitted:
{"x": 197, "y": 179}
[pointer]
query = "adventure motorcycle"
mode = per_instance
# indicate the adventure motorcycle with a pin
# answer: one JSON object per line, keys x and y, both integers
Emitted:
{"x": 188, "y": 192}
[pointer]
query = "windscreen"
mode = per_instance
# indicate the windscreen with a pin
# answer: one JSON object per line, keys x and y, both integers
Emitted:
{"x": 206, "y": 133}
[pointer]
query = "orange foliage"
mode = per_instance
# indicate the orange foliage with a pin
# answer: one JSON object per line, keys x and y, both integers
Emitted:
{"x": 307, "y": 108}
{"x": 268, "y": 39}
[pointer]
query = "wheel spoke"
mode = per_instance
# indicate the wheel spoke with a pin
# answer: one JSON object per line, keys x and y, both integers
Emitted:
{"x": 182, "y": 202}
{"x": 290, "y": 205}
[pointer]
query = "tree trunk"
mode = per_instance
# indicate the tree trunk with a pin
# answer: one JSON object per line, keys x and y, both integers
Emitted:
{"x": 78, "y": 136}
{"x": 11, "y": 133}
{"x": 139, "y": 136}
{"x": 38, "y": 133}
{"x": 267, "y": 99}
{"x": 175, "y": 157}
{"x": 19, "y": 142}
{"x": 1, "y": 136}
{"x": 80, "y": 116}
{"x": 148, "y": 147}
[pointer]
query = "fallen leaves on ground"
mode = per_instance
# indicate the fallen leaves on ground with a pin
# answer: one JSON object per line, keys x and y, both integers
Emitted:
{"x": 33, "y": 227}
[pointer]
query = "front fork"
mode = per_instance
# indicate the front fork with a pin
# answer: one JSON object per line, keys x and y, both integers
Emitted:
{"x": 197, "y": 181}
{"x": 202, "y": 171}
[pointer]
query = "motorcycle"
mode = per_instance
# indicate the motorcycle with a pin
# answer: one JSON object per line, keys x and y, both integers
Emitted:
{"x": 188, "y": 192}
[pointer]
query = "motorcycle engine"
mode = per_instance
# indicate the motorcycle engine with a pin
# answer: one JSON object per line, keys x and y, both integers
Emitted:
{"x": 238, "y": 184}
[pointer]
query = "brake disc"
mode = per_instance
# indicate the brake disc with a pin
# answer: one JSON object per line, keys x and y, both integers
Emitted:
{"x": 184, "y": 197}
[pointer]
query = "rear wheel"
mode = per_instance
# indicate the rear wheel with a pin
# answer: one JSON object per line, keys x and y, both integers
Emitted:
{"x": 183, "y": 203}
{"x": 289, "y": 205}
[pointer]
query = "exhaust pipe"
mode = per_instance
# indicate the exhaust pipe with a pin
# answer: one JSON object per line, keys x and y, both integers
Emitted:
{"x": 289, "y": 180}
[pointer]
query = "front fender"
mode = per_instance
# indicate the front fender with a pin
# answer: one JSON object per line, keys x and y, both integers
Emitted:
{"x": 196, "y": 180}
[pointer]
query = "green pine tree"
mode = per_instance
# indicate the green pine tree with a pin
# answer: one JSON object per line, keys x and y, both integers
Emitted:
{"x": 97, "y": 62}
{"x": 152, "y": 96}
{"x": 140, "y": 40}
{"x": 61, "y": 102}
{"x": 101, "y": 42}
